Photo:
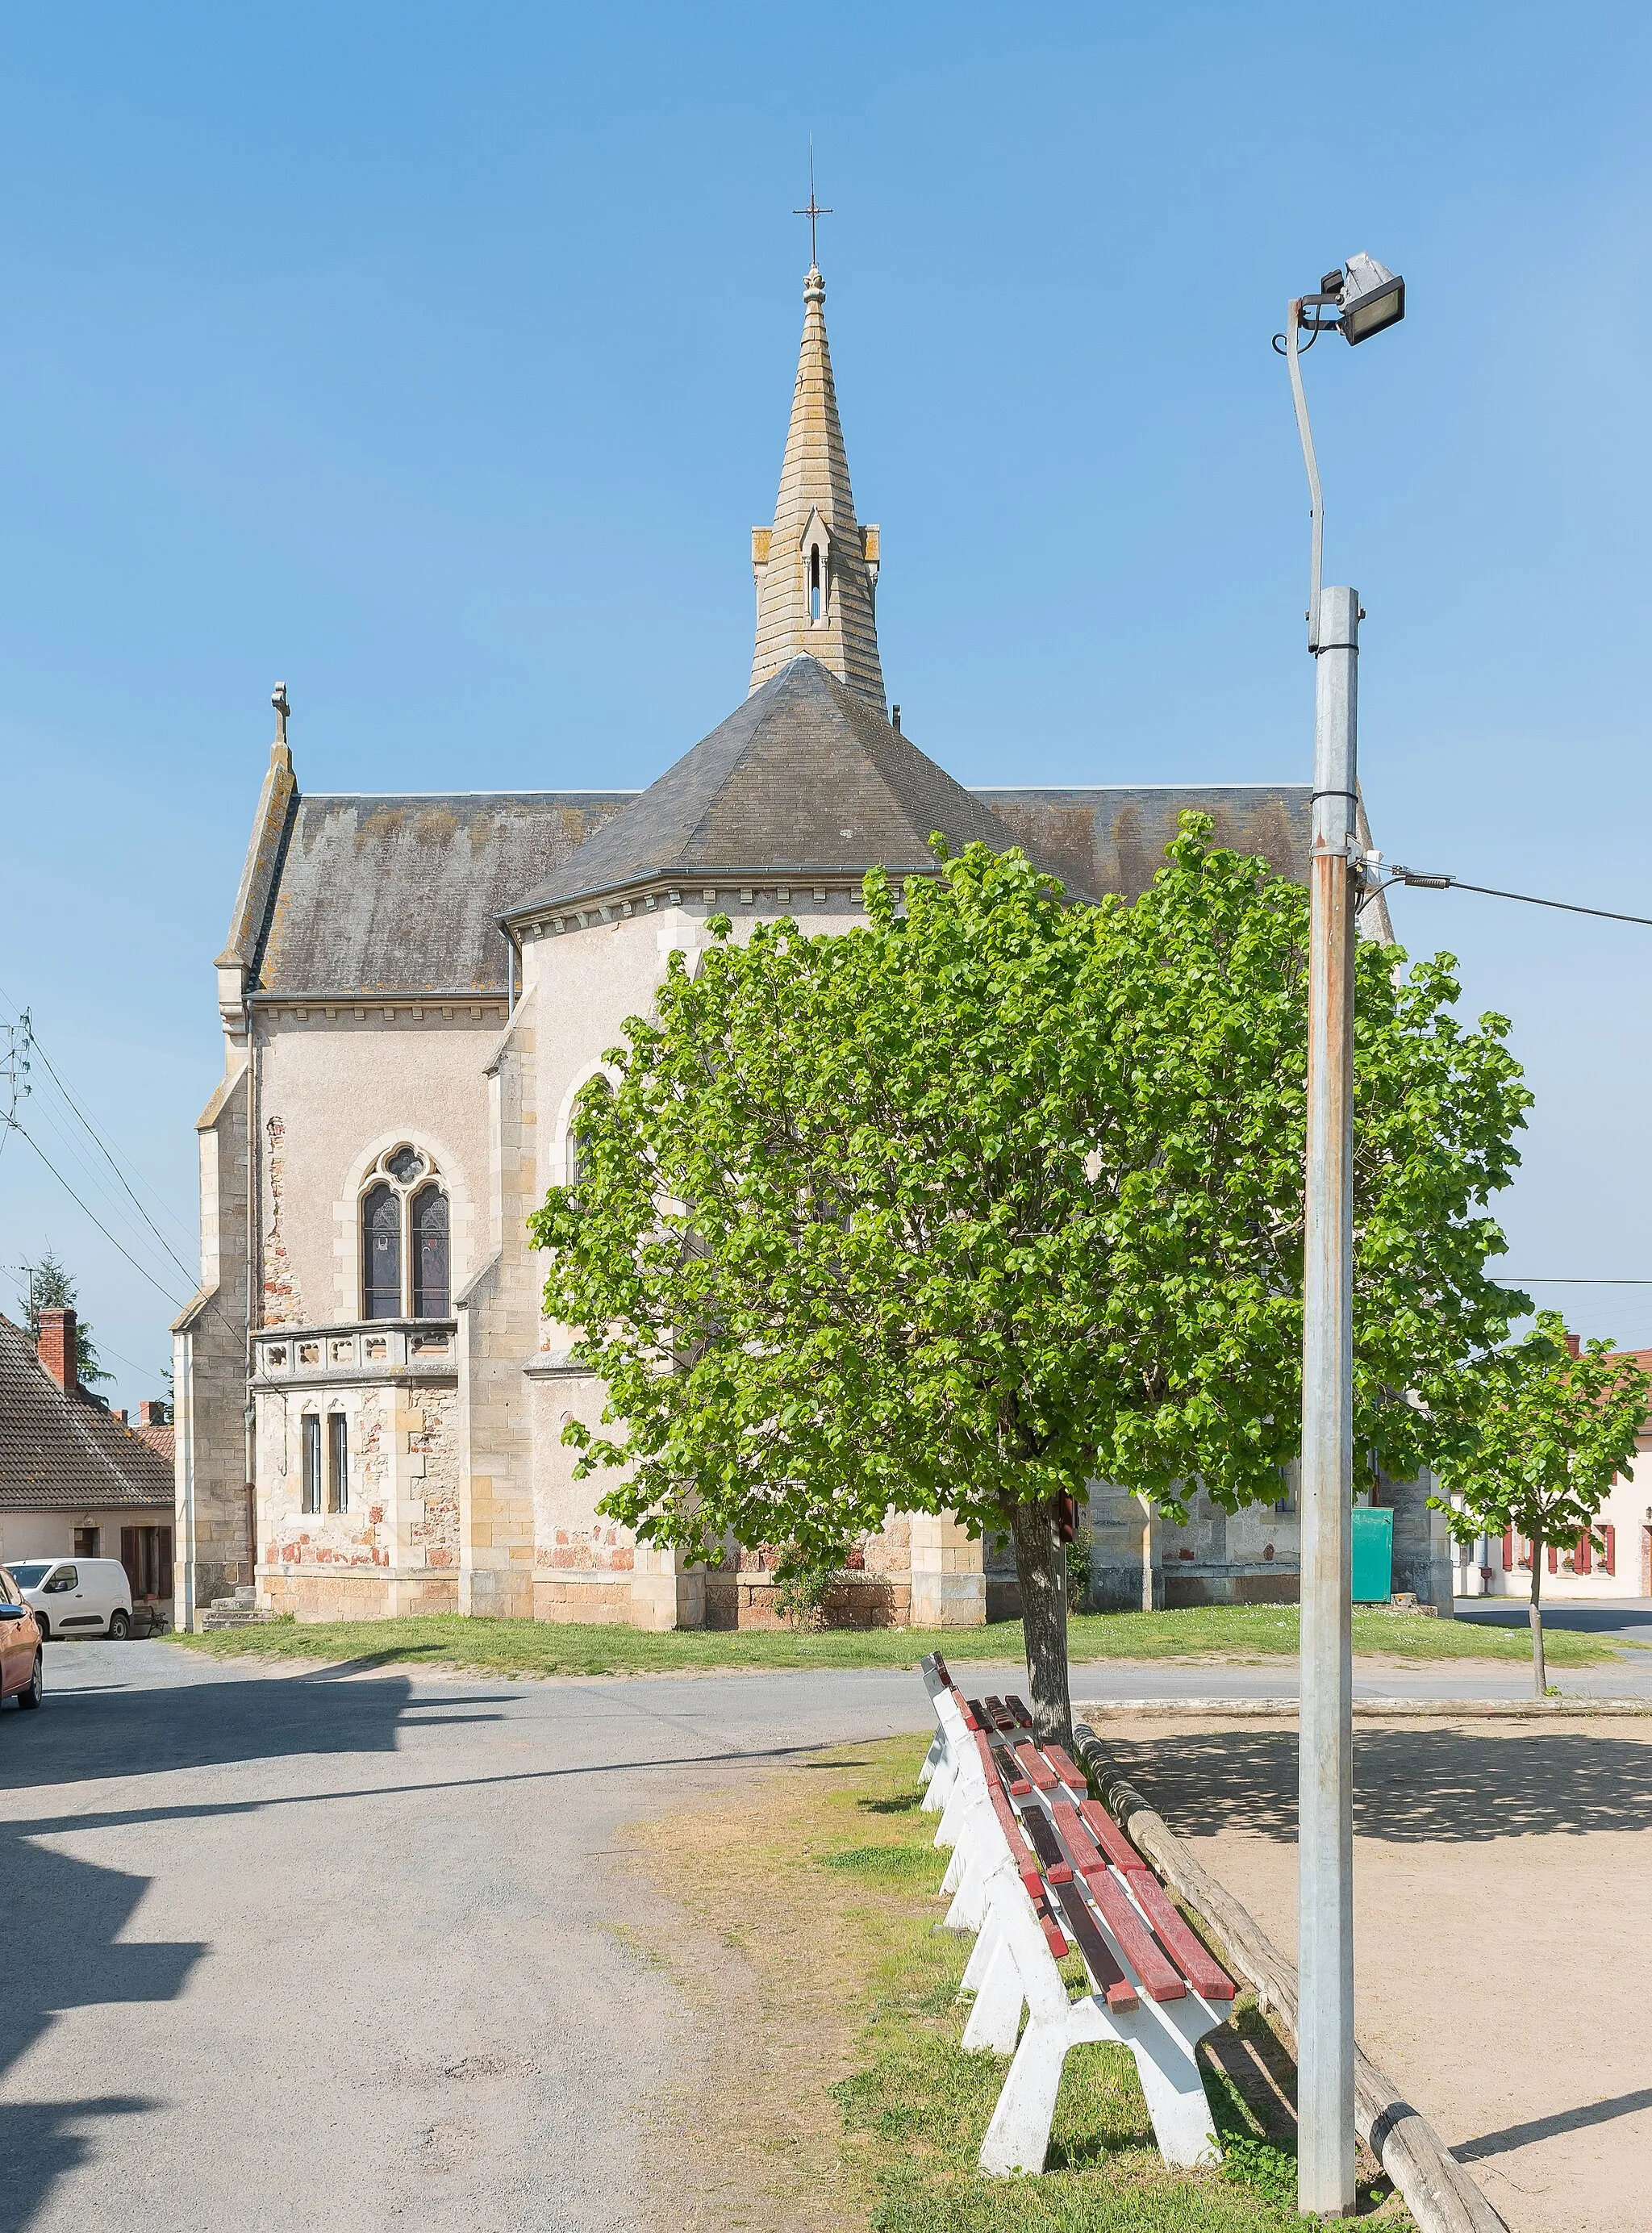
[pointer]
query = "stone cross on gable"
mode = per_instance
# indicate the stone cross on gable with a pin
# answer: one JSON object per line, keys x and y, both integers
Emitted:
{"x": 279, "y": 699}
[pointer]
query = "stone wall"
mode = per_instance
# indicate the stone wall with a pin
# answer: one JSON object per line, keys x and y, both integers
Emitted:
{"x": 211, "y": 1546}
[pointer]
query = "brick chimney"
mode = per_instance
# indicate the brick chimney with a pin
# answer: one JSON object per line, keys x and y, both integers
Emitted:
{"x": 58, "y": 1350}
{"x": 151, "y": 1413}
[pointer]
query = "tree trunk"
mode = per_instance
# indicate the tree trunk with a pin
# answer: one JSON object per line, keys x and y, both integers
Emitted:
{"x": 1539, "y": 1672}
{"x": 1040, "y": 1569}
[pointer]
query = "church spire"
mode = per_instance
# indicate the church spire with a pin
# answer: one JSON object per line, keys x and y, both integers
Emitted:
{"x": 816, "y": 569}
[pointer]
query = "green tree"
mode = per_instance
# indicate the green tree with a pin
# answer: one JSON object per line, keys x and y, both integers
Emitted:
{"x": 51, "y": 1287}
{"x": 1543, "y": 1432}
{"x": 967, "y": 1207}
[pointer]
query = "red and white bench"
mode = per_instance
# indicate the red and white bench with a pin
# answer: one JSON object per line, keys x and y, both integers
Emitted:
{"x": 1038, "y": 1869}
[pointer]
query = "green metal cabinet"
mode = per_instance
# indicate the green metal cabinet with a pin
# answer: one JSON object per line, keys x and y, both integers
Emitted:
{"x": 1372, "y": 1556}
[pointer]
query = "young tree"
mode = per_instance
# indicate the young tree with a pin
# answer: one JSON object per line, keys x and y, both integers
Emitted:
{"x": 1544, "y": 1428}
{"x": 965, "y": 1208}
{"x": 52, "y": 1288}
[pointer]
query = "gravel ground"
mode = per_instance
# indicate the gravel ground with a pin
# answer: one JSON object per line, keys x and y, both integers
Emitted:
{"x": 1503, "y": 1919}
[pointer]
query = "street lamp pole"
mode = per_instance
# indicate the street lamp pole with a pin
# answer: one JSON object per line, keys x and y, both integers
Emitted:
{"x": 1326, "y": 2163}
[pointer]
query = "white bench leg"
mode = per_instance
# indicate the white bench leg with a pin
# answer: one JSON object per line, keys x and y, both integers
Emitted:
{"x": 1166, "y": 2034}
{"x": 1162, "y": 2034}
{"x": 1018, "y": 2136}
{"x": 995, "y": 2020}
{"x": 933, "y": 1757}
{"x": 939, "y": 1789}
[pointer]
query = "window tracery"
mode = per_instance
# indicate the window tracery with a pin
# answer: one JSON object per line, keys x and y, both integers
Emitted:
{"x": 404, "y": 1222}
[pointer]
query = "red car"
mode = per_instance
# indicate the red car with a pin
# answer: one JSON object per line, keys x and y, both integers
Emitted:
{"x": 22, "y": 1660}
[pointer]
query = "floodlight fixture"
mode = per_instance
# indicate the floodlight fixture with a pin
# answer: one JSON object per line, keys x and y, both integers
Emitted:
{"x": 1361, "y": 297}
{"x": 1372, "y": 298}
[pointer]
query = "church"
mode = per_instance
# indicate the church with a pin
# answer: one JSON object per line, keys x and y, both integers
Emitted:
{"x": 370, "y": 1401}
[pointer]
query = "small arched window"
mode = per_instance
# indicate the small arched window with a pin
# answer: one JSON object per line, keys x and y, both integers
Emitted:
{"x": 406, "y": 1261}
{"x": 814, "y": 581}
{"x": 381, "y": 1253}
{"x": 429, "y": 1215}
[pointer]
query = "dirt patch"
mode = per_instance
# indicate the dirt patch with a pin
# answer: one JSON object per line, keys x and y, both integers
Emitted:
{"x": 1503, "y": 1912}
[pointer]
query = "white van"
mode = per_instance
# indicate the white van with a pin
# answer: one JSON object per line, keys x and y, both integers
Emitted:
{"x": 76, "y": 1596}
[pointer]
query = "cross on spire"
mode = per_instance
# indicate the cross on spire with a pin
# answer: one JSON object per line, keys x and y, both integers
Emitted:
{"x": 813, "y": 211}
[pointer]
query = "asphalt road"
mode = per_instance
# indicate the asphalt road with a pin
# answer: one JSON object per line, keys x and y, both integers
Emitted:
{"x": 322, "y": 1951}
{"x": 347, "y": 1949}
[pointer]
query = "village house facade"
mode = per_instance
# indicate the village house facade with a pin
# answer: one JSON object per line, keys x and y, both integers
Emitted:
{"x": 76, "y": 1481}
{"x": 369, "y": 1403}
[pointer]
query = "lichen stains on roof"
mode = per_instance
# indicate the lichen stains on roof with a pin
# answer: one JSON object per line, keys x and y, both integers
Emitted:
{"x": 404, "y": 894}
{"x": 1113, "y": 838}
{"x": 60, "y": 1452}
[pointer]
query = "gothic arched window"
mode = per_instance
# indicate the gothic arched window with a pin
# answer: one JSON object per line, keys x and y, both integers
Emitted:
{"x": 406, "y": 1264}
{"x": 429, "y": 1216}
{"x": 381, "y": 1253}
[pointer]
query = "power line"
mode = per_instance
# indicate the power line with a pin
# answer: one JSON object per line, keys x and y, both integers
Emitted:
{"x": 16, "y": 1127}
{"x": 94, "y": 1174}
{"x": 98, "y": 1142}
{"x": 1508, "y": 1279}
{"x": 1421, "y": 880}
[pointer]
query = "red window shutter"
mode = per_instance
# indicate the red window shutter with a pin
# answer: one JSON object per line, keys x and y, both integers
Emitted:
{"x": 1554, "y": 1559}
{"x": 129, "y": 1558}
{"x": 1582, "y": 1556}
{"x": 1508, "y": 1550}
{"x": 1609, "y": 1550}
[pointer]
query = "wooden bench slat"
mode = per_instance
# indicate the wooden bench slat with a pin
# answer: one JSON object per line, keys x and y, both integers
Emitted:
{"x": 1016, "y": 1707}
{"x": 1109, "y": 1836}
{"x": 1049, "y": 1925}
{"x": 1160, "y": 1979}
{"x": 1087, "y": 1855}
{"x": 1010, "y": 1822}
{"x": 1068, "y": 1769}
{"x": 1035, "y": 1767}
{"x": 1110, "y": 1980}
{"x": 1197, "y": 1963}
{"x": 1047, "y": 1846}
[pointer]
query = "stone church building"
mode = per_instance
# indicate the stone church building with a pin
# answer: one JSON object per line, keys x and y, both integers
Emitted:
{"x": 370, "y": 1401}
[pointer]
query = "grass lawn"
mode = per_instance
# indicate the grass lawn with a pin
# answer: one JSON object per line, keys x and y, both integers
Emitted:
{"x": 832, "y": 2088}
{"x": 527, "y": 1647}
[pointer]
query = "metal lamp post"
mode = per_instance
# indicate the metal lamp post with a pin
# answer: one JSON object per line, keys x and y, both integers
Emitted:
{"x": 1360, "y": 300}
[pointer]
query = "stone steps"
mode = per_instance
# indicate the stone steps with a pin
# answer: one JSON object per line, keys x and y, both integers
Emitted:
{"x": 241, "y": 1611}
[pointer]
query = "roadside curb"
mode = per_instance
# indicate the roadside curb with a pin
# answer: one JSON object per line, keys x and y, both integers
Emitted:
{"x": 1376, "y": 1710}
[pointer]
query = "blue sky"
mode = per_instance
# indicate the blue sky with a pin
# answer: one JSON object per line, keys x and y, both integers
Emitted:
{"x": 437, "y": 360}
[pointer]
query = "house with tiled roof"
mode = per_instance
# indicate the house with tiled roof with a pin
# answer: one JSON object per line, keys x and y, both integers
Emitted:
{"x": 370, "y": 1404}
{"x": 1613, "y": 1560}
{"x": 75, "y": 1480}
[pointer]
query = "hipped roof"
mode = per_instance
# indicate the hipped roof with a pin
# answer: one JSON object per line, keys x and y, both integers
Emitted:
{"x": 805, "y": 779}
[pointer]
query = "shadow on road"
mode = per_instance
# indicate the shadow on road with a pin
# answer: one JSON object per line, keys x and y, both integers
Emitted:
{"x": 65, "y": 1918}
{"x": 85, "y": 1734}
{"x": 63, "y": 1923}
{"x": 1410, "y": 1785}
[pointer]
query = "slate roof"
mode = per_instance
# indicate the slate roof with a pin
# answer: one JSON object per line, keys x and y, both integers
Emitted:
{"x": 60, "y": 1452}
{"x": 1112, "y": 838}
{"x": 404, "y": 894}
{"x": 805, "y": 779}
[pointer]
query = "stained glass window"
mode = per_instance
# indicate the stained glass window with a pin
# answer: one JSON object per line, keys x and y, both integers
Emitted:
{"x": 429, "y": 1252}
{"x": 381, "y": 1253}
